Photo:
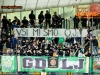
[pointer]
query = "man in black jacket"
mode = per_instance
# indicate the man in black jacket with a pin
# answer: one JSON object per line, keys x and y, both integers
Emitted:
{"x": 47, "y": 18}
{"x": 76, "y": 22}
{"x": 55, "y": 18}
{"x": 25, "y": 22}
{"x": 32, "y": 18}
{"x": 41, "y": 17}
{"x": 4, "y": 23}
{"x": 95, "y": 45}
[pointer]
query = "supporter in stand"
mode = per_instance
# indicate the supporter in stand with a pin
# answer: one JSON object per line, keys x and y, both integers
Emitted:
{"x": 15, "y": 25}
{"x": 84, "y": 22}
{"x": 8, "y": 43}
{"x": 41, "y": 17}
{"x": 95, "y": 45}
{"x": 34, "y": 53}
{"x": 59, "y": 21}
{"x": 4, "y": 23}
{"x": 10, "y": 25}
{"x": 48, "y": 18}
{"x": 55, "y": 18}
{"x": 32, "y": 18}
{"x": 16, "y": 20}
{"x": 87, "y": 43}
{"x": 14, "y": 42}
{"x": 76, "y": 22}
{"x": 25, "y": 22}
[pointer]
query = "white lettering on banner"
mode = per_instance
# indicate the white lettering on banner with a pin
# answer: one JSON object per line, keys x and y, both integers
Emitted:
{"x": 34, "y": 32}
{"x": 42, "y": 64}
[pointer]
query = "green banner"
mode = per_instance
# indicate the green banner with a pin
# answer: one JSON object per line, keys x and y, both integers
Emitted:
{"x": 52, "y": 64}
{"x": 9, "y": 64}
{"x": 96, "y": 65}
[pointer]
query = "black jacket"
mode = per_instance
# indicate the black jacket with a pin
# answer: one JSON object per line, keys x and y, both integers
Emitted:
{"x": 25, "y": 22}
{"x": 31, "y": 16}
{"x": 95, "y": 42}
{"x": 47, "y": 16}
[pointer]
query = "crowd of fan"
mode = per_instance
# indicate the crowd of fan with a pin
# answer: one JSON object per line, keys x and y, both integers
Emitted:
{"x": 42, "y": 46}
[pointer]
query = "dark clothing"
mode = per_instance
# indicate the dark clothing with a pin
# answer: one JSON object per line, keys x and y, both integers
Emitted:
{"x": 47, "y": 16}
{"x": 13, "y": 41}
{"x": 23, "y": 43}
{"x": 56, "y": 40}
{"x": 8, "y": 44}
{"x": 25, "y": 23}
{"x": 41, "y": 38}
{"x": 68, "y": 40}
{"x": 43, "y": 45}
{"x": 47, "y": 54}
{"x": 54, "y": 25}
{"x": 41, "y": 18}
{"x": 26, "y": 43}
{"x": 48, "y": 46}
{"x": 47, "y": 19}
{"x": 21, "y": 51}
{"x": 32, "y": 16}
{"x": 29, "y": 54}
{"x": 76, "y": 54}
{"x": 59, "y": 22}
{"x": 15, "y": 26}
{"x": 32, "y": 22}
{"x": 76, "y": 21}
{"x": 67, "y": 52}
{"x": 84, "y": 22}
{"x": 5, "y": 22}
{"x": 55, "y": 19}
{"x": 95, "y": 42}
{"x": 24, "y": 54}
{"x": 86, "y": 44}
{"x": 10, "y": 26}
{"x": 39, "y": 54}
{"x": 18, "y": 21}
